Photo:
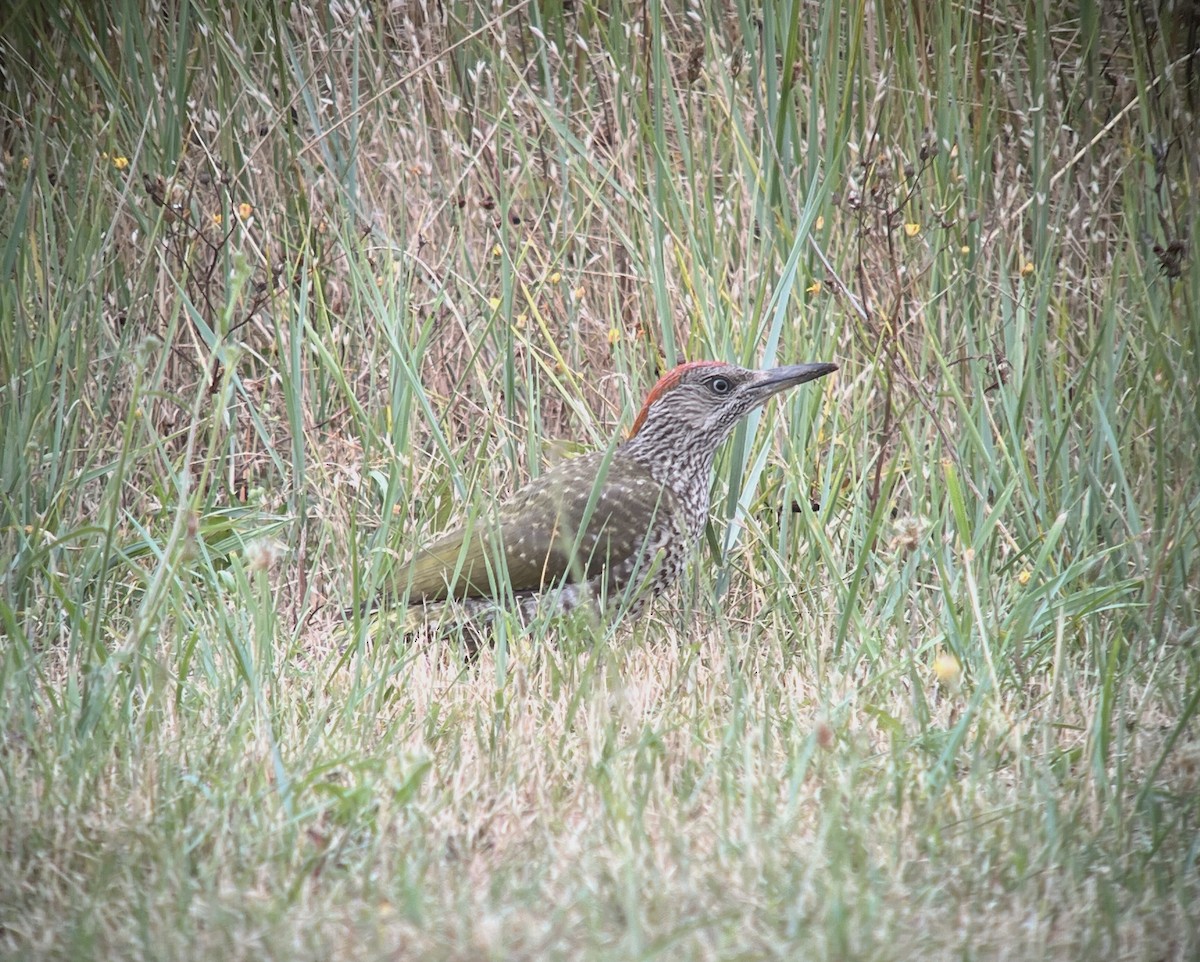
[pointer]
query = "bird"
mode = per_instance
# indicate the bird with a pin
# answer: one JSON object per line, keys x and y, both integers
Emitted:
{"x": 613, "y": 528}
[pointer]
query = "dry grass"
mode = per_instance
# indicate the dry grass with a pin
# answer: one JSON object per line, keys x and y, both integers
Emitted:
{"x": 282, "y": 292}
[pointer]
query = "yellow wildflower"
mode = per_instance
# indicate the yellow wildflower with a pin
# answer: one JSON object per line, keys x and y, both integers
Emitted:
{"x": 947, "y": 669}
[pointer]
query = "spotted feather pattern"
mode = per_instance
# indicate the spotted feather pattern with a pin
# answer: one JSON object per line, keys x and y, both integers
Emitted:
{"x": 586, "y": 522}
{"x": 616, "y": 525}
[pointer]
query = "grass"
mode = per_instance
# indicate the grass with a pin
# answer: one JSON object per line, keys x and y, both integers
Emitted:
{"x": 284, "y": 292}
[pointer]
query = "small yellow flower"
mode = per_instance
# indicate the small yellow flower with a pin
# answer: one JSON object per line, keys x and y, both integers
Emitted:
{"x": 820, "y": 222}
{"x": 1023, "y": 577}
{"x": 1027, "y": 269}
{"x": 964, "y": 250}
{"x": 522, "y": 320}
{"x": 494, "y": 302}
{"x": 216, "y": 219}
{"x": 813, "y": 288}
{"x": 947, "y": 669}
{"x": 614, "y": 335}
{"x": 24, "y": 163}
{"x": 555, "y": 277}
{"x": 244, "y": 211}
{"x": 120, "y": 162}
{"x": 496, "y": 252}
{"x": 912, "y": 230}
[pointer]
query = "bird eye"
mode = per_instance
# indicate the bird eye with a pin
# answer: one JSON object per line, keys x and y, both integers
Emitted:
{"x": 720, "y": 385}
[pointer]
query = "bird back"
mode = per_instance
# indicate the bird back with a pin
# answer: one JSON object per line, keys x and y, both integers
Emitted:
{"x": 595, "y": 519}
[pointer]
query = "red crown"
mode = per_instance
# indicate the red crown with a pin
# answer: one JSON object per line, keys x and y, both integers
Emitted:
{"x": 667, "y": 382}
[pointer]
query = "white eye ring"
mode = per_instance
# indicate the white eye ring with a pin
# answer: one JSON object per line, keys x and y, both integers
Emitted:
{"x": 720, "y": 385}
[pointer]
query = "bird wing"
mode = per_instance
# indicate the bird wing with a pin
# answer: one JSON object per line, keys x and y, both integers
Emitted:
{"x": 574, "y": 521}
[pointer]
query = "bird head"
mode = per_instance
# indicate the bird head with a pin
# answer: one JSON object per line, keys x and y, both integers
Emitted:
{"x": 706, "y": 399}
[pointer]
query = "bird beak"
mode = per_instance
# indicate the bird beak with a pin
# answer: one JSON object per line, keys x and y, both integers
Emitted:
{"x": 781, "y": 378}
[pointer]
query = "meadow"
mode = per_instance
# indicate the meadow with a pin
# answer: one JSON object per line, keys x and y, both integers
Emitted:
{"x": 286, "y": 289}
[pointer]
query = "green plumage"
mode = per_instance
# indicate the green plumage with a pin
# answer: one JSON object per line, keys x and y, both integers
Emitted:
{"x": 584, "y": 519}
{"x": 614, "y": 527}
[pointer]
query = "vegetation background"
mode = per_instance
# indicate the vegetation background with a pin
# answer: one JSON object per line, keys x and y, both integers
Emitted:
{"x": 283, "y": 288}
